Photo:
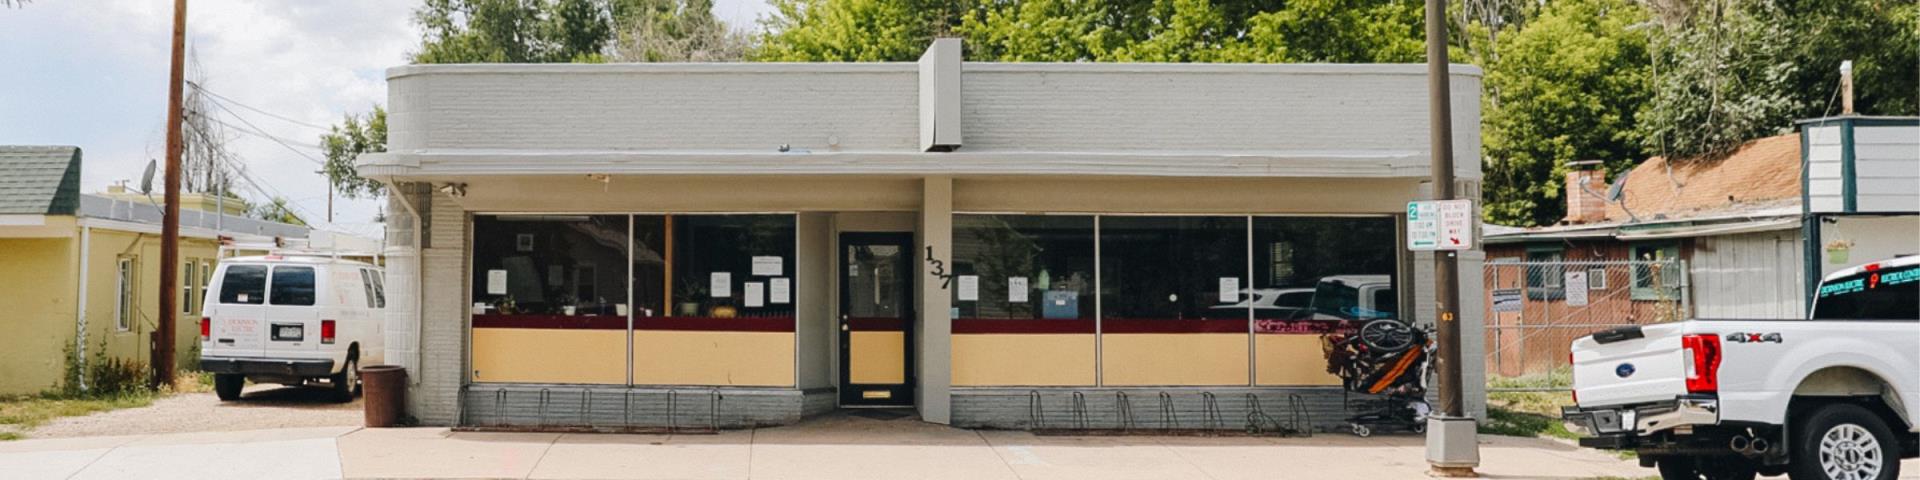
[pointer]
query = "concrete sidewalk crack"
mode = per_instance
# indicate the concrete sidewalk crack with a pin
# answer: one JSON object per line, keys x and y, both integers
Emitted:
{"x": 996, "y": 454}
{"x": 109, "y": 451}
{"x": 753, "y": 436}
{"x": 543, "y": 456}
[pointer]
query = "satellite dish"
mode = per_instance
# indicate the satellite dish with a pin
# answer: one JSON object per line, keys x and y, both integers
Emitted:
{"x": 146, "y": 179}
{"x": 1618, "y": 189}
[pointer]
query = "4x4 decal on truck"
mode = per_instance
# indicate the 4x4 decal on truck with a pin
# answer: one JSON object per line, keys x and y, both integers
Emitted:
{"x": 1739, "y": 337}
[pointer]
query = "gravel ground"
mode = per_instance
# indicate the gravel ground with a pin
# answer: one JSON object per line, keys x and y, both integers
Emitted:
{"x": 261, "y": 406}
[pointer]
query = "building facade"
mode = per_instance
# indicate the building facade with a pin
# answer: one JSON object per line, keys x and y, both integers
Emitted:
{"x": 992, "y": 245}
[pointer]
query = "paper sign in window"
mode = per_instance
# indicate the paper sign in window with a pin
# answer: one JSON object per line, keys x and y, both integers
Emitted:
{"x": 1016, "y": 289}
{"x": 496, "y": 282}
{"x": 782, "y": 290}
{"x": 766, "y": 266}
{"x": 969, "y": 288}
{"x": 756, "y": 294}
{"x": 721, "y": 285}
{"x": 1229, "y": 289}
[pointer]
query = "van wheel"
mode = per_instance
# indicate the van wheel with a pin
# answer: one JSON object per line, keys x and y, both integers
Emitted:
{"x": 1696, "y": 468}
{"x": 228, "y": 385}
{"x": 347, "y": 382}
{"x": 1844, "y": 442}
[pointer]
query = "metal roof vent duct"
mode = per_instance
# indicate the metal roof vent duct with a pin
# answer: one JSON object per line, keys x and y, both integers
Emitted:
{"x": 940, "y": 96}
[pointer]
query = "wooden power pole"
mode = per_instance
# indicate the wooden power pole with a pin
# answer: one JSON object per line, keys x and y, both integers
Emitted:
{"x": 163, "y": 337}
{"x": 1452, "y": 445}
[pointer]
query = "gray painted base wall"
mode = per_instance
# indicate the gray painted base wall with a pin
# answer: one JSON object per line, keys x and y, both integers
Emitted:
{"x": 528, "y": 405}
{"x": 1183, "y": 408}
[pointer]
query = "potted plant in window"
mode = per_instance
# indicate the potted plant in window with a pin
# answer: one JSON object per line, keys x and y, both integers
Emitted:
{"x": 691, "y": 293}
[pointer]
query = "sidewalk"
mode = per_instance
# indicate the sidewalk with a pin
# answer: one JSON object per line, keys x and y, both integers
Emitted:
{"x": 835, "y": 447}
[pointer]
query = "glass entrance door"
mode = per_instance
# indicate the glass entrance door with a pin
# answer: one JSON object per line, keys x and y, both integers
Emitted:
{"x": 876, "y": 319}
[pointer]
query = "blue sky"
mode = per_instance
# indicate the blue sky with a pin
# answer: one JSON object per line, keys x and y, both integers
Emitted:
{"x": 93, "y": 73}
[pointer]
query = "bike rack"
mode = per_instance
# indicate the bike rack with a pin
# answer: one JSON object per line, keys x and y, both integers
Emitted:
{"x": 1210, "y": 411}
{"x": 545, "y": 396}
{"x": 1169, "y": 418}
{"x": 1302, "y": 418}
{"x": 1079, "y": 410}
{"x": 626, "y": 408}
{"x": 499, "y": 401}
{"x": 1124, "y": 408}
{"x": 586, "y": 405}
{"x": 673, "y": 403}
{"x": 713, "y": 409}
{"x": 1036, "y": 415}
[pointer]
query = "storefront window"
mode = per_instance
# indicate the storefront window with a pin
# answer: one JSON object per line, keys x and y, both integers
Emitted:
{"x": 550, "y": 265}
{"x": 732, "y": 266}
{"x": 1322, "y": 268}
{"x": 1024, "y": 267}
{"x": 1158, "y": 269}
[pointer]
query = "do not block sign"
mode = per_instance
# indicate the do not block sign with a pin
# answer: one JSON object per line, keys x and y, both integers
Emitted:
{"x": 1440, "y": 225}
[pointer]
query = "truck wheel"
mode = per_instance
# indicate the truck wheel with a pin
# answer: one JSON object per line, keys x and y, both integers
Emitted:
{"x": 1694, "y": 468}
{"x": 1843, "y": 442}
{"x": 347, "y": 382}
{"x": 227, "y": 386}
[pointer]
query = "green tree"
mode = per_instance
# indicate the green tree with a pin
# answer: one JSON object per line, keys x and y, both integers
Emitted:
{"x": 1564, "y": 87}
{"x": 1721, "y": 71}
{"x": 276, "y": 210}
{"x": 512, "y": 31}
{"x": 844, "y": 30}
{"x": 1341, "y": 31}
{"x": 354, "y": 136}
{"x": 666, "y": 31}
{"x": 1881, "y": 37}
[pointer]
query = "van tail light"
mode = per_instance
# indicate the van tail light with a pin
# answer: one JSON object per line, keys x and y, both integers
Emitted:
{"x": 1702, "y": 362}
{"x": 326, "y": 332}
{"x": 206, "y": 328}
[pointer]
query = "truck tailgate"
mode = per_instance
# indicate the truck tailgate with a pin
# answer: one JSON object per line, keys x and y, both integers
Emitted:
{"x": 1622, "y": 367}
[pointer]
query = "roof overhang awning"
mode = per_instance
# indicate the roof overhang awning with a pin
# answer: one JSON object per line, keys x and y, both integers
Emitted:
{"x": 1711, "y": 229}
{"x": 444, "y": 163}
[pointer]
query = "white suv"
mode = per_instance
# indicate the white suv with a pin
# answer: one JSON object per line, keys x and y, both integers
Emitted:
{"x": 292, "y": 320}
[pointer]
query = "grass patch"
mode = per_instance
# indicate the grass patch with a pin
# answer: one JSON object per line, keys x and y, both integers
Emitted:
{"x": 1529, "y": 413}
{"x": 25, "y": 413}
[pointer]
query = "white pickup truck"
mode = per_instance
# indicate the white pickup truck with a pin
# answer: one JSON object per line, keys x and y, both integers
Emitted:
{"x": 1833, "y": 397}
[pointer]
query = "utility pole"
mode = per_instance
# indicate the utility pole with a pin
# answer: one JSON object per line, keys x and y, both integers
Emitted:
{"x": 170, "y": 223}
{"x": 1452, "y": 437}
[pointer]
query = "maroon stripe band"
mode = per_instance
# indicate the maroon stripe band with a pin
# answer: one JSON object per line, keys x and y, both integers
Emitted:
{"x": 705, "y": 324}
{"x": 876, "y": 324}
{"x": 1021, "y": 325}
{"x": 552, "y": 322}
{"x": 1171, "y": 325}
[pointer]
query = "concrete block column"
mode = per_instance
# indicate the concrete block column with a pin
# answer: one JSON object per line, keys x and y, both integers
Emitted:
{"x": 935, "y": 327}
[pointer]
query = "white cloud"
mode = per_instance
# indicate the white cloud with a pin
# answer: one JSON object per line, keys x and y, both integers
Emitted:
{"x": 94, "y": 75}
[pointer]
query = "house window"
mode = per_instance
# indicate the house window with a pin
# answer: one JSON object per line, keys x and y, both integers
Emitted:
{"x": 1546, "y": 278}
{"x": 1596, "y": 279}
{"x": 1657, "y": 273}
{"x": 187, "y": 278}
{"x": 124, "y": 282}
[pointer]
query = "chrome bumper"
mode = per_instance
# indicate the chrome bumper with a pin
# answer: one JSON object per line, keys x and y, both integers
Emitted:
{"x": 1643, "y": 419}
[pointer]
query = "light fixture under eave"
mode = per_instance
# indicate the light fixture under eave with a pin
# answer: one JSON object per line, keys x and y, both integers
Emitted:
{"x": 454, "y": 189}
{"x": 606, "y": 181}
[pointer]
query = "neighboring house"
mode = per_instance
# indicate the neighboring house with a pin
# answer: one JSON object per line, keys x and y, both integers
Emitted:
{"x": 1733, "y": 221}
{"x": 1862, "y": 191}
{"x": 90, "y": 264}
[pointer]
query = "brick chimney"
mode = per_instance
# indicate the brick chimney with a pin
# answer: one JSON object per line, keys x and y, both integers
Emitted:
{"x": 1586, "y": 205}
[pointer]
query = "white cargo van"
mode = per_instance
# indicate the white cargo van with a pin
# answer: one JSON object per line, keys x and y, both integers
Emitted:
{"x": 292, "y": 320}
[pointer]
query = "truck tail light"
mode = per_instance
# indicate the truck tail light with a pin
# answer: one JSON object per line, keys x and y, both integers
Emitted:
{"x": 1573, "y": 391}
{"x": 1702, "y": 362}
{"x": 206, "y": 328}
{"x": 326, "y": 332}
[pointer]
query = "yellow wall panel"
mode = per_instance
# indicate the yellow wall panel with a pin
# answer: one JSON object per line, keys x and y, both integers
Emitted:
{"x": 1175, "y": 358}
{"x": 676, "y": 357}
{"x": 538, "y": 355}
{"x": 878, "y": 357}
{"x": 1291, "y": 360}
{"x": 1023, "y": 359}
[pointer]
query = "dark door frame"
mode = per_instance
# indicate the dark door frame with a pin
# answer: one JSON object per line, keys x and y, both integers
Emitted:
{"x": 901, "y": 395}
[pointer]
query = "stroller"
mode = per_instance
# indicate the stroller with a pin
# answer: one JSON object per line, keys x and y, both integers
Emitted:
{"x": 1385, "y": 361}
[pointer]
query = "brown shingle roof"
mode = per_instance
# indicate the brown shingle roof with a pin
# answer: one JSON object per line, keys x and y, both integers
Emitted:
{"x": 1761, "y": 172}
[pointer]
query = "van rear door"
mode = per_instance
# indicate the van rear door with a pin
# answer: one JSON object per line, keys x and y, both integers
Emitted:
{"x": 237, "y": 311}
{"x": 292, "y": 318}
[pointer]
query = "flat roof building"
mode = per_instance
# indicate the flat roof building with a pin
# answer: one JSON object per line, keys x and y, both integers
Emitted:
{"x": 993, "y": 245}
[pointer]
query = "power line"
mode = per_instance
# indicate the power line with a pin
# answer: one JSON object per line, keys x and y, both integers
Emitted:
{"x": 262, "y": 131}
{"x": 224, "y": 99}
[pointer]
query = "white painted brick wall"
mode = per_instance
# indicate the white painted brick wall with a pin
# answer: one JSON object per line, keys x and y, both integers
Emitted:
{"x": 435, "y": 399}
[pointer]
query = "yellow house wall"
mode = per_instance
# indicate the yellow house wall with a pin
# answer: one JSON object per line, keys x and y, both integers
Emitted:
{"x": 38, "y": 320}
{"x": 105, "y": 249}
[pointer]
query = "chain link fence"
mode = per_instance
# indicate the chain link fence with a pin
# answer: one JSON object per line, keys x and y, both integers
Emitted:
{"x": 1536, "y": 309}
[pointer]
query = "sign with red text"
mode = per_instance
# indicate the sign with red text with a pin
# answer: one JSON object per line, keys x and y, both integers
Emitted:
{"x": 1440, "y": 225}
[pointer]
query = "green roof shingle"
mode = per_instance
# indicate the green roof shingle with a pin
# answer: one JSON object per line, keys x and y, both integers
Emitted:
{"x": 39, "y": 180}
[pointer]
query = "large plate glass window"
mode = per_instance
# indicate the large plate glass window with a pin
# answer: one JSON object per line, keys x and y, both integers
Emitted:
{"x": 733, "y": 267}
{"x": 1024, "y": 267}
{"x": 549, "y": 287}
{"x": 1173, "y": 295}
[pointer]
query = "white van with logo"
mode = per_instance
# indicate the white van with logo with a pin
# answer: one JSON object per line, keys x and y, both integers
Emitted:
{"x": 292, "y": 320}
